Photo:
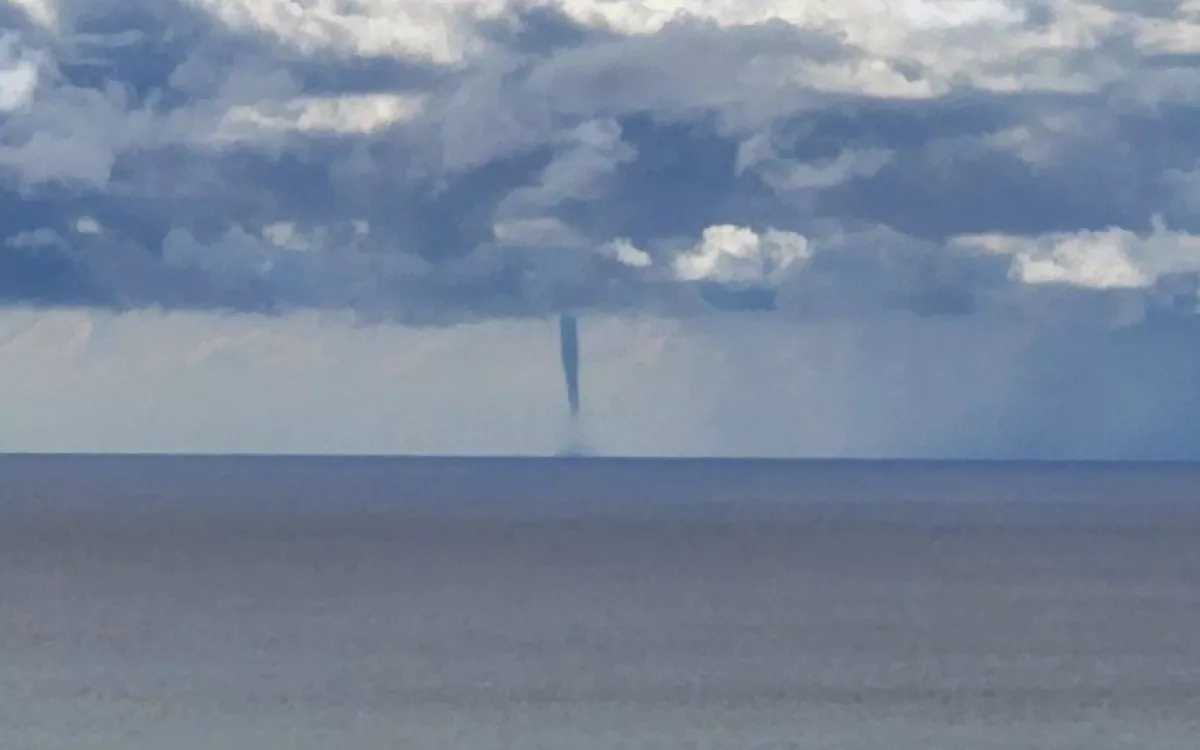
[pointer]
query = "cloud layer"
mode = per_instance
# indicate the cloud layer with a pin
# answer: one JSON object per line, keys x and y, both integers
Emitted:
{"x": 434, "y": 161}
{"x": 980, "y": 218}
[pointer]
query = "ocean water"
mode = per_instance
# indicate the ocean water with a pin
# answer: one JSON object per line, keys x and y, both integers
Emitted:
{"x": 464, "y": 603}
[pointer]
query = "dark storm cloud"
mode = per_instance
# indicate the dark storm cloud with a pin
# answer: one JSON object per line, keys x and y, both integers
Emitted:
{"x": 222, "y": 171}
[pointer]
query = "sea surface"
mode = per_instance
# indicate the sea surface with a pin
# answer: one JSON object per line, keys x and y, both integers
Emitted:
{"x": 228, "y": 603}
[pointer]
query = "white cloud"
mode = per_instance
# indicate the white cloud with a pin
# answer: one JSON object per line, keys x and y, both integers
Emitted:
{"x": 624, "y": 251}
{"x": 88, "y": 225}
{"x": 759, "y": 154}
{"x": 366, "y": 113}
{"x": 69, "y": 134}
{"x": 786, "y": 175}
{"x": 1106, "y": 259}
{"x": 31, "y": 239}
{"x": 434, "y": 30}
{"x": 1187, "y": 183}
{"x": 740, "y": 255}
{"x": 236, "y": 259}
{"x": 590, "y": 153}
{"x": 41, "y": 12}
{"x": 544, "y": 232}
{"x": 632, "y": 17}
{"x": 337, "y": 266}
{"x": 18, "y": 75}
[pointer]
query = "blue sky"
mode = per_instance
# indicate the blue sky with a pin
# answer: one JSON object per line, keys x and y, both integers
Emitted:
{"x": 910, "y": 228}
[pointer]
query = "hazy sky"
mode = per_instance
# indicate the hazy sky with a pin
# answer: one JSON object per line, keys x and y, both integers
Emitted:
{"x": 868, "y": 227}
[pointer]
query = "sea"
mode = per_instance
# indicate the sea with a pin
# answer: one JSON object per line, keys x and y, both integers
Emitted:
{"x": 377, "y": 603}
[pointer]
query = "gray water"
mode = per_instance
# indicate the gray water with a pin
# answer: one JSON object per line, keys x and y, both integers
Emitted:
{"x": 457, "y": 603}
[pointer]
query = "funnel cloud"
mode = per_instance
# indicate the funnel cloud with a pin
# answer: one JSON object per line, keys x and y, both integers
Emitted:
{"x": 568, "y": 338}
{"x": 568, "y": 334}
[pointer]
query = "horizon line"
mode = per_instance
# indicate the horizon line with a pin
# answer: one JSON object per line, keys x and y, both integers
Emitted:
{"x": 592, "y": 457}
